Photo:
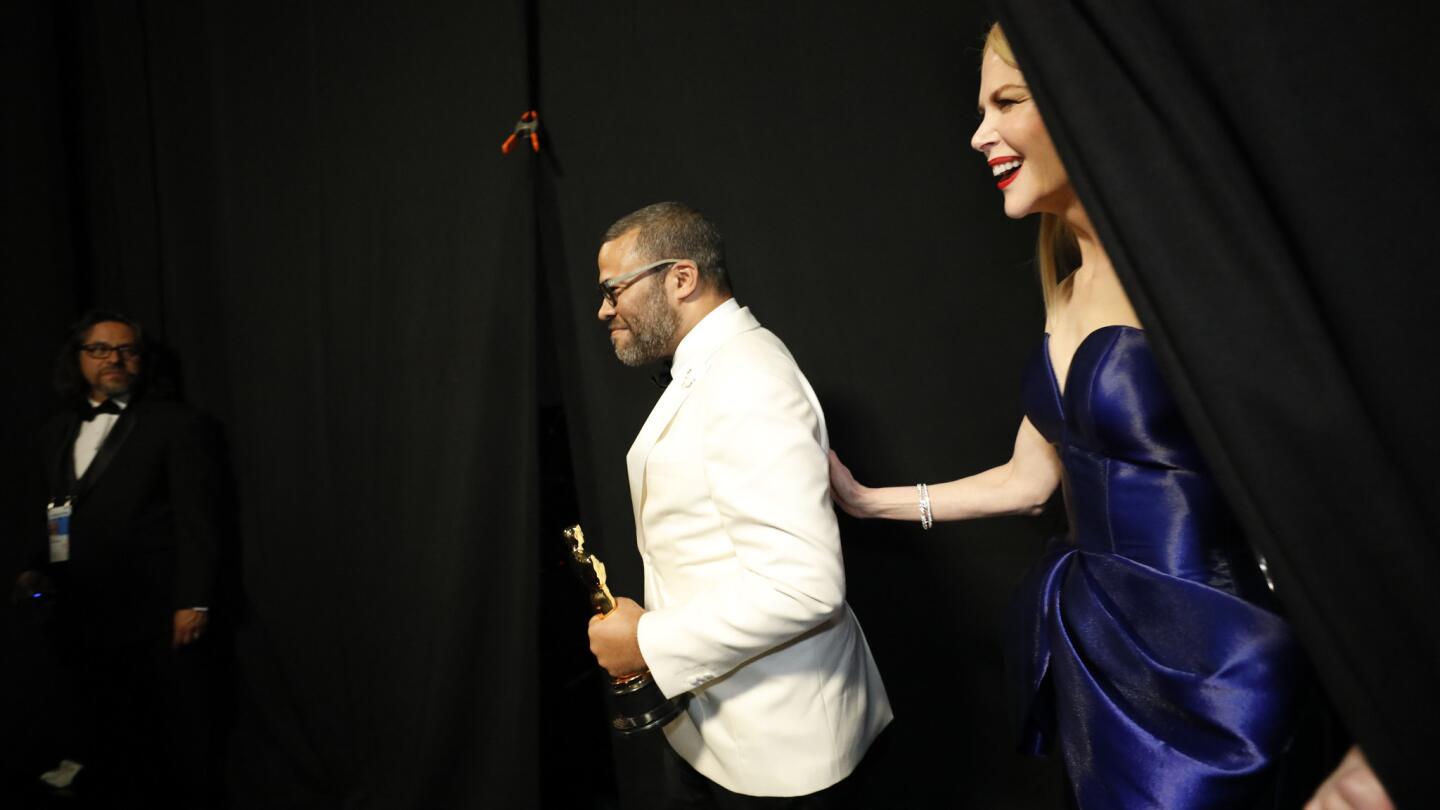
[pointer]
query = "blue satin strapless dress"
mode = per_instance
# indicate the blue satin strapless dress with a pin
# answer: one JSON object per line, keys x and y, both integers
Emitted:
{"x": 1145, "y": 646}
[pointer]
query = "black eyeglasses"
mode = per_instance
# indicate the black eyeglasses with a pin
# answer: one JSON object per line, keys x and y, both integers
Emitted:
{"x": 102, "y": 351}
{"x": 611, "y": 288}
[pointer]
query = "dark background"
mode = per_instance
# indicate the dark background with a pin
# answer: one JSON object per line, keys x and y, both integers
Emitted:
{"x": 395, "y": 324}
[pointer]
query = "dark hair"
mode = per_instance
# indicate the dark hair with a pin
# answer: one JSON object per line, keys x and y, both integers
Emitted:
{"x": 70, "y": 384}
{"x": 672, "y": 230}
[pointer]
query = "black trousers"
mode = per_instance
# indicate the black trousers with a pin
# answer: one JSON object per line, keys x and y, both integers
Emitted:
{"x": 687, "y": 789}
{"x": 140, "y": 718}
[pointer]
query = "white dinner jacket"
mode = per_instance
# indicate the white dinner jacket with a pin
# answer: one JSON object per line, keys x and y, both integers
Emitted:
{"x": 744, "y": 581}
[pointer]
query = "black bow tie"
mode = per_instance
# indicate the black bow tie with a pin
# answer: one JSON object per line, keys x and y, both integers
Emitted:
{"x": 88, "y": 412}
{"x": 662, "y": 378}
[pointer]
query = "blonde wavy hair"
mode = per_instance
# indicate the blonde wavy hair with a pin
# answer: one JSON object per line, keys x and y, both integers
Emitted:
{"x": 1056, "y": 249}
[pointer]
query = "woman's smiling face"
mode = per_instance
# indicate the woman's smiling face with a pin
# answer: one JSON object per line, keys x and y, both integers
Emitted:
{"x": 1013, "y": 139}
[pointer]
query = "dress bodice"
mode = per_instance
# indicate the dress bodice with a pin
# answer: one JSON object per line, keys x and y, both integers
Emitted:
{"x": 1135, "y": 482}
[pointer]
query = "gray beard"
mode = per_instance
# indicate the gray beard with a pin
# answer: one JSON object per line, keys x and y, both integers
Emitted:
{"x": 652, "y": 329}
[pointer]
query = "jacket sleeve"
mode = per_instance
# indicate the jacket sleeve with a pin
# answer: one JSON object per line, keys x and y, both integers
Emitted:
{"x": 765, "y": 465}
{"x": 32, "y": 530}
{"x": 199, "y": 479}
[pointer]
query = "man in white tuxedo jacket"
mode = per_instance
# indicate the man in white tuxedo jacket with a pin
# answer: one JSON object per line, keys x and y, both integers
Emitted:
{"x": 744, "y": 581}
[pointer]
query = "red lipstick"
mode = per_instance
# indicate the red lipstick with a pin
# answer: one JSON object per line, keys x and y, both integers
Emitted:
{"x": 1008, "y": 177}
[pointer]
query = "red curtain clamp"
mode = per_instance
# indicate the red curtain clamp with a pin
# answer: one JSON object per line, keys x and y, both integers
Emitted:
{"x": 528, "y": 125}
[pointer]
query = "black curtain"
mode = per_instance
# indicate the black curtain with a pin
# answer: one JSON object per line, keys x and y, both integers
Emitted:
{"x": 1264, "y": 177}
{"x": 37, "y": 254}
{"x": 367, "y": 223}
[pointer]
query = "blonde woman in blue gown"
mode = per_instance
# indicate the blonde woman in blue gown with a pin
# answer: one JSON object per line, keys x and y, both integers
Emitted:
{"x": 1145, "y": 646}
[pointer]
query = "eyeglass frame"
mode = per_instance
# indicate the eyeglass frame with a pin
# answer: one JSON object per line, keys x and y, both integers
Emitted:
{"x": 104, "y": 351}
{"x": 611, "y": 288}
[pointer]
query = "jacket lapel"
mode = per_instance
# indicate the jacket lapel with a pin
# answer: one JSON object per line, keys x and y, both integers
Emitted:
{"x": 660, "y": 417}
{"x": 683, "y": 379}
{"x": 123, "y": 426}
{"x": 62, "y": 479}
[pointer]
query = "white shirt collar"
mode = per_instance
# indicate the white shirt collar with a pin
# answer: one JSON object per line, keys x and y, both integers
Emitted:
{"x": 122, "y": 401}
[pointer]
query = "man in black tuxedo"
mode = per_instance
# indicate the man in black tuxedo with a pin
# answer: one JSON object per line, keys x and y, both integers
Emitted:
{"x": 138, "y": 512}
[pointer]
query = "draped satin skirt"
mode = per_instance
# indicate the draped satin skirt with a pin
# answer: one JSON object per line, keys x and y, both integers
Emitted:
{"x": 1159, "y": 692}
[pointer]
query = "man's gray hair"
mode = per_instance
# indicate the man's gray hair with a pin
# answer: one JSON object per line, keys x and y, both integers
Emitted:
{"x": 672, "y": 230}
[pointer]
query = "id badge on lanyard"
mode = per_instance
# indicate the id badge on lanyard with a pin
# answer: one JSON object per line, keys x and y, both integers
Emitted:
{"x": 59, "y": 518}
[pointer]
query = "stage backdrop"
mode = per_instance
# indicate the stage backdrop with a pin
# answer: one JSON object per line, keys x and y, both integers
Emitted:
{"x": 396, "y": 324}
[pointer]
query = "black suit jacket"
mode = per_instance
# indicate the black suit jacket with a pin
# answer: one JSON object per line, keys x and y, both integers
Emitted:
{"x": 148, "y": 522}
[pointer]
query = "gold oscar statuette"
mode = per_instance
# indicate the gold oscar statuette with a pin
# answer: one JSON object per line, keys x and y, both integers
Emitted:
{"x": 636, "y": 702}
